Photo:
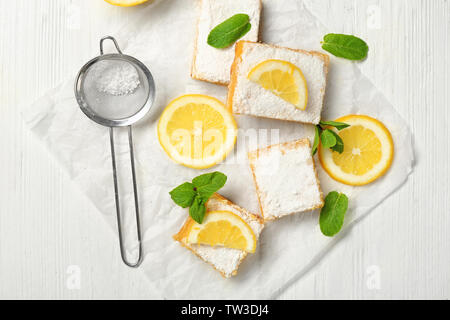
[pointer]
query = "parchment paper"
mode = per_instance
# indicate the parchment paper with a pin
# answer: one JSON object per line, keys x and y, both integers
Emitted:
{"x": 163, "y": 39}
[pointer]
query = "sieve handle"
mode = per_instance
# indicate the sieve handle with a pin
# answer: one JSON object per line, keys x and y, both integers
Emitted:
{"x": 113, "y": 40}
{"x": 136, "y": 202}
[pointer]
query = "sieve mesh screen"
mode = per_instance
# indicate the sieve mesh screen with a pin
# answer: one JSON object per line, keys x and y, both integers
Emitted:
{"x": 114, "y": 88}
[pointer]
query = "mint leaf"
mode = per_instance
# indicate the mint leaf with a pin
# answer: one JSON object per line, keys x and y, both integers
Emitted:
{"x": 333, "y": 213}
{"x": 195, "y": 195}
{"x": 183, "y": 195}
{"x": 337, "y": 125}
{"x": 339, "y": 146}
{"x": 197, "y": 210}
{"x": 345, "y": 46}
{"x": 207, "y": 184}
{"x": 229, "y": 31}
{"x": 328, "y": 138}
{"x": 209, "y": 178}
{"x": 316, "y": 140}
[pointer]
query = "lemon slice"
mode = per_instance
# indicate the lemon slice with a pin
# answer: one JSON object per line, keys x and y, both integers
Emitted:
{"x": 197, "y": 131}
{"x": 222, "y": 228}
{"x": 368, "y": 151}
{"x": 283, "y": 79}
{"x": 126, "y": 3}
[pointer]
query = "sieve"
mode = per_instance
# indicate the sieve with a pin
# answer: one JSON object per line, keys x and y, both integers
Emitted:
{"x": 117, "y": 111}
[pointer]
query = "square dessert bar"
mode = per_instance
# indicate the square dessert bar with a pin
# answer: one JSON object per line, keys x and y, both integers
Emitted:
{"x": 224, "y": 260}
{"x": 285, "y": 179}
{"x": 212, "y": 64}
{"x": 247, "y": 97}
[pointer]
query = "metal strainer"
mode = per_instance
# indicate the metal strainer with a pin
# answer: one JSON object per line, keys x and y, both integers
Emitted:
{"x": 117, "y": 111}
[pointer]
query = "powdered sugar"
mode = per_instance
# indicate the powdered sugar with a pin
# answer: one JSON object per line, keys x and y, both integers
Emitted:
{"x": 252, "y": 99}
{"x": 213, "y": 64}
{"x": 115, "y": 77}
{"x": 286, "y": 179}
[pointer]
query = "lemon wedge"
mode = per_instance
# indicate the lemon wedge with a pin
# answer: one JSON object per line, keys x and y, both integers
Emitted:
{"x": 368, "y": 151}
{"x": 283, "y": 79}
{"x": 197, "y": 131}
{"x": 222, "y": 228}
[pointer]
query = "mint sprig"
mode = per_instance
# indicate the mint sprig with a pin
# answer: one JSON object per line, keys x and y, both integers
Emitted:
{"x": 345, "y": 46}
{"x": 333, "y": 212}
{"x": 328, "y": 137}
{"x": 195, "y": 195}
{"x": 229, "y": 31}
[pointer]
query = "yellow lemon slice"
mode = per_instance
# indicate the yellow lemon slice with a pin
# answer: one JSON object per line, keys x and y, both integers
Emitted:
{"x": 368, "y": 151}
{"x": 283, "y": 79}
{"x": 126, "y": 3}
{"x": 222, "y": 228}
{"x": 197, "y": 131}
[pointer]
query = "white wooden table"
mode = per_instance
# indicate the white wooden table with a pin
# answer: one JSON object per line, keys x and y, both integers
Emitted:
{"x": 49, "y": 232}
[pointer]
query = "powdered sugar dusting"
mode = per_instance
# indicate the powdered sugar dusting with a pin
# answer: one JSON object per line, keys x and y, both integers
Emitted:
{"x": 115, "y": 77}
{"x": 286, "y": 179}
{"x": 213, "y": 64}
{"x": 252, "y": 99}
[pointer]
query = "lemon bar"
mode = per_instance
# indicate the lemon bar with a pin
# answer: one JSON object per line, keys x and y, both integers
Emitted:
{"x": 224, "y": 260}
{"x": 212, "y": 64}
{"x": 285, "y": 179}
{"x": 247, "y": 97}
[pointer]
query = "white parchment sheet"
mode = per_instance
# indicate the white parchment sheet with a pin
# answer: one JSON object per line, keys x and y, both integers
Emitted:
{"x": 163, "y": 39}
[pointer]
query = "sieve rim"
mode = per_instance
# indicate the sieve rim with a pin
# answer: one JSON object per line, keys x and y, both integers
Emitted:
{"x": 120, "y": 122}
